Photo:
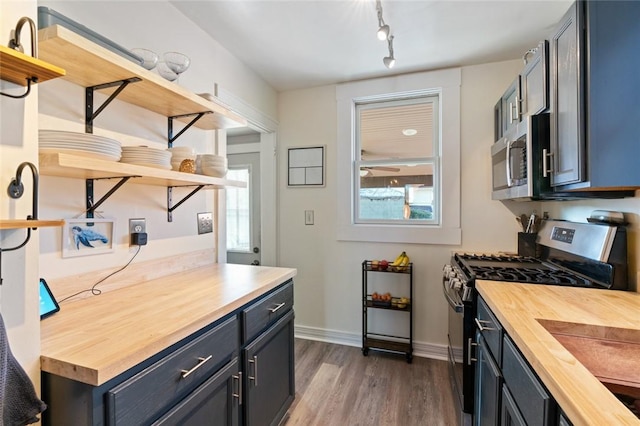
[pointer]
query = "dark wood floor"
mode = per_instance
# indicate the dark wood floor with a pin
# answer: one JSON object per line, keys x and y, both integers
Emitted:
{"x": 337, "y": 385}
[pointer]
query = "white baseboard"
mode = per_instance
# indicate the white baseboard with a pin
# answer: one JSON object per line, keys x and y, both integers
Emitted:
{"x": 420, "y": 349}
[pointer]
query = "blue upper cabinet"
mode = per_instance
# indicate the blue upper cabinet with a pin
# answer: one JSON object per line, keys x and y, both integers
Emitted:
{"x": 535, "y": 80}
{"x": 595, "y": 97}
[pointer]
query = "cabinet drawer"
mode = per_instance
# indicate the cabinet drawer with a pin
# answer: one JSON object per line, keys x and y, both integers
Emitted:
{"x": 214, "y": 399}
{"x": 491, "y": 330}
{"x": 535, "y": 403}
{"x": 266, "y": 311}
{"x": 152, "y": 391}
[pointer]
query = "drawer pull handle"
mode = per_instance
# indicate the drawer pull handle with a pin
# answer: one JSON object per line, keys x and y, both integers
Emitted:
{"x": 201, "y": 362}
{"x": 239, "y": 394}
{"x": 254, "y": 361}
{"x": 481, "y": 327}
{"x": 278, "y": 306}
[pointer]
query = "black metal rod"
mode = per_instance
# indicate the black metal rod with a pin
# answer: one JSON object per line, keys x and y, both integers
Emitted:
{"x": 24, "y": 95}
{"x": 171, "y": 209}
{"x": 170, "y": 131}
{"x": 198, "y": 116}
{"x": 24, "y": 243}
{"x": 16, "y": 187}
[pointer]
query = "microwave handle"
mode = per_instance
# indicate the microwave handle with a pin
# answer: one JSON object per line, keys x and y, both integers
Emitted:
{"x": 509, "y": 180}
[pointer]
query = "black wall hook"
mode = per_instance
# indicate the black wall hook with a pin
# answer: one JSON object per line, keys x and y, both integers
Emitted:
{"x": 16, "y": 187}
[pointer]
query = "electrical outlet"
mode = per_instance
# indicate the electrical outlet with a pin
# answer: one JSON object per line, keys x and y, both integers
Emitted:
{"x": 137, "y": 226}
{"x": 205, "y": 223}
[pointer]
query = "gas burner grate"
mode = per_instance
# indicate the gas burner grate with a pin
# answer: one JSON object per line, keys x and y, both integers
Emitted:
{"x": 498, "y": 258}
{"x": 529, "y": 275}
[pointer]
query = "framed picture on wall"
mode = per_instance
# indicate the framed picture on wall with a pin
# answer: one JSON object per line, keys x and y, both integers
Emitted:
{"x": 306, "y": 166}
{"x": 84, "y": 237}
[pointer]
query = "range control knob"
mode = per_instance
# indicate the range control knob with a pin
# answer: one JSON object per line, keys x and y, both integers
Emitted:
{"x": 456, "y": 283}
{"x": 447, "y": 270}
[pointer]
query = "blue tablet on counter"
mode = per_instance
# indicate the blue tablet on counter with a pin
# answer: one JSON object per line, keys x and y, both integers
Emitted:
{"x": 48, "y": 303}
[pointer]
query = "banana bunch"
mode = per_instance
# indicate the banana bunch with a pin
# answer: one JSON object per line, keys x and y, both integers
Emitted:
{"x": 401, "y": 263}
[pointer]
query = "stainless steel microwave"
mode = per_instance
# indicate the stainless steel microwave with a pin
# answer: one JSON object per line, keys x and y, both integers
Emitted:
{"x": 517, "y": 161}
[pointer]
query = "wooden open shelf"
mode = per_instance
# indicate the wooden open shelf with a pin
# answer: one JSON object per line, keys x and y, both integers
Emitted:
{"x": 17, "y": 67}
{"x": 79, "y": 167}
{"x": 24, "y": 223}
{"x": 89, "y": 64}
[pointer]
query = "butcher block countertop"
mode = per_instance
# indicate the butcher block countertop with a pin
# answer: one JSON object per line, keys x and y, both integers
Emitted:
{"x": 602, "y": 328}
{"x": 95, "y": 339}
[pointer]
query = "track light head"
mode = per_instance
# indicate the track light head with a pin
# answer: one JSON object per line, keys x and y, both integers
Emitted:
{"x": 389, "y": 61}
{"x": 383, "y": 32}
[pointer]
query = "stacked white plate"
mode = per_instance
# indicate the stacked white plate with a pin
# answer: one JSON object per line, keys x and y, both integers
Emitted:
{"x": 84, "y": 144}
{"x": 146, "y": 156}
{"x": 179, "y": 154}
{"x": 213, "y": 165}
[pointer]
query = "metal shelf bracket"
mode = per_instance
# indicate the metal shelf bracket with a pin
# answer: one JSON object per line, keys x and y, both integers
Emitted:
{"x": 197, "y": 116}
{"x": 91, "y": 205}
{"x": 170, "y": 207}
{"x": 90, "y": 114}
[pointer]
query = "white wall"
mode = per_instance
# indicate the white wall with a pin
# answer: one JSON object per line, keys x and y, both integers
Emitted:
{"x": 328, "y": 285}
{"x": 18, "y": 143}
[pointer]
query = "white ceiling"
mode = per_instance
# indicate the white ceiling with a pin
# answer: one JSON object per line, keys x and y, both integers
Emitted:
{"x": 306, "y": 43}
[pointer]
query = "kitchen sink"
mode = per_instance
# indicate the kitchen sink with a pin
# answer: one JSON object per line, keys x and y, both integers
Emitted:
{"x": 611, "y": 354}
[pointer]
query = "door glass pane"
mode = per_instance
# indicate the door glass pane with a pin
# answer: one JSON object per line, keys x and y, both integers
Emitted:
{"x": 239, "y": 212}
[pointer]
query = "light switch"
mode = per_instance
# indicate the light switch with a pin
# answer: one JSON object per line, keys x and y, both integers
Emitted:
{"x": 308, "y": 217}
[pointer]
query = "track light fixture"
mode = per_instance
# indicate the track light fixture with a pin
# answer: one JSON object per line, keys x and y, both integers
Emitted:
{"x": 390, "y": 61}
{"x": 384, "y": 33}
{"x": 383, "y": 29}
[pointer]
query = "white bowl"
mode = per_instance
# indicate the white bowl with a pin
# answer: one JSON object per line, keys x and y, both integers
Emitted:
{"x": 211, "y": 157}
{"x": 214, "y": 163}
{"x": 179, "y": 157}
{"x": 213, "y": 160}
{"x": 214, "y": 171}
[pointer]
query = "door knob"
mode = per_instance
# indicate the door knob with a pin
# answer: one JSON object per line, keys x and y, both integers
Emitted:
{"x": 256, "y": 250}
{"x": 255, "y": 262}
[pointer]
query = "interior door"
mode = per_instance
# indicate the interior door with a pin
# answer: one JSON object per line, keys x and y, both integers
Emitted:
{"x": 243, "y": 210}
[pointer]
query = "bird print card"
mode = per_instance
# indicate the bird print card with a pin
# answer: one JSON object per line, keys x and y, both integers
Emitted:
{"x": 87, "y": 236}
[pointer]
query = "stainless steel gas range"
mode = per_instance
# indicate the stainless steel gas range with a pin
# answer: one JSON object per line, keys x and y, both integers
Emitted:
{"x": 570, "y": 254}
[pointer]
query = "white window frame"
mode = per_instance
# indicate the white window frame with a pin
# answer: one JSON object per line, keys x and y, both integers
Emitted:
{"x": 447, "y": 84}
{"x": 433, "y": 160}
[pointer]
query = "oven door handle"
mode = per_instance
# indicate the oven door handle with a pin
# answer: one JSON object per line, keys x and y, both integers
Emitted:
{"x": 457, "y": 306}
